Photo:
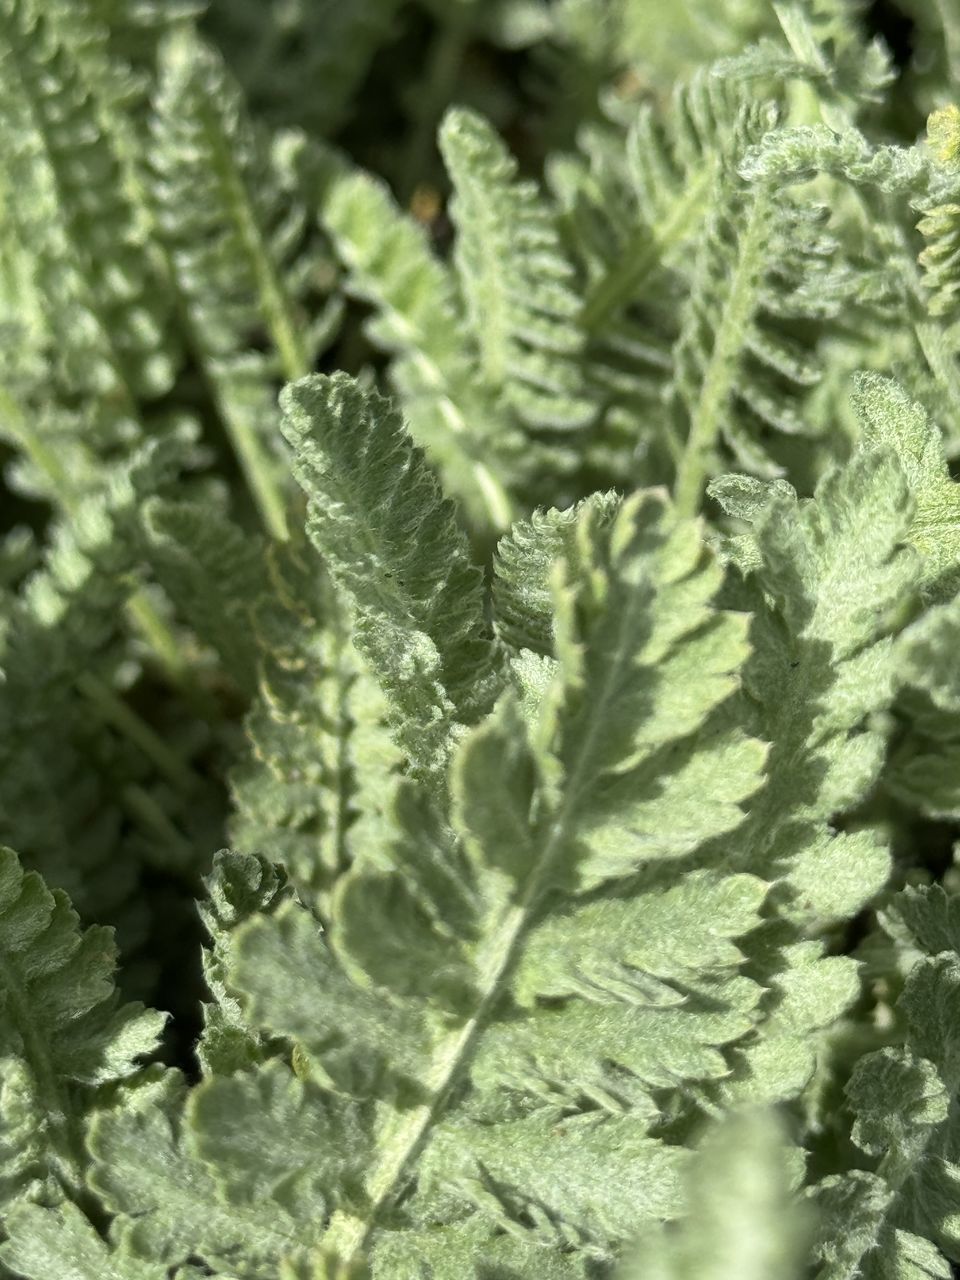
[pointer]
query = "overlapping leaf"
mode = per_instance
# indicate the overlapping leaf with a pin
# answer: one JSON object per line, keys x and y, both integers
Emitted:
{"x": 471, "y": 922}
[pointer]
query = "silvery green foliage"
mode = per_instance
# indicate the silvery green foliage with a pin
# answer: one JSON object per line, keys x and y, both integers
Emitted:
{"x": 393, "y": 547}
{"x": 535, "y": 554}
{"x": 63, "y": 1035}
{"x": 230, "y": 207}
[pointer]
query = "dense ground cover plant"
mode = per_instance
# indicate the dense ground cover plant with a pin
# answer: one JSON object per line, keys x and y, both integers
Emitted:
{"x": 487, "y": 468}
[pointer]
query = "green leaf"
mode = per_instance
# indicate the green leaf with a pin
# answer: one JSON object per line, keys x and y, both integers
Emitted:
{"x": 458, "y": 1250}
{"x": 67, "y": 146}
{"x": 418, "y": 320}
{"x": 446, "y": 941}
{"x": 516, "y": 280}
{"x": 856, "y": 1240}
{"x": 929, "y": 916}
{"x": 922, "y": 770}
{"x": 268, "y": 1136}
{"x": 582, "y": 1179}
{"x": 63, "y": 1031}
{"x": 61, "y": 1242}
{"x": 229, "y": 205}
{"x": 390, "y": 540}
{"x": 823, "y": 668}
{"x": 213, "y": 571}
{"x": 318, "y": 760}
{"x": 892, "y": 420}
{"x": 740, "y": 374}
{"x": 523, "y": 592}
{"x": 904, "y": 1101}
{"x": 239, "y": 886}
{"x": 280, "y": 965}
{"x": 171, "y": 1204}
{"x": 808, "y": 993}
{"x": 72, "y": 744}
{"x": 644, "y": 659}
{"x": 791, "y": 154}
{"x": 684, "y": 932}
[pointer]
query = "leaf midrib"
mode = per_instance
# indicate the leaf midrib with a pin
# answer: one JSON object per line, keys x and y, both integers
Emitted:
{"x": 349, "y": 1235}
{"x": 67, "y": 1138}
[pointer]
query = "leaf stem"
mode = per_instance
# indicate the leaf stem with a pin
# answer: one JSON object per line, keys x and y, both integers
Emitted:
{"x": 646, "y": 250}
{"x": 123, "y": 718}
{"x": 256, "y": 465}
{"x": 274, "y": 298}
{"x": 405, "y": 1134}
{"x": 142, "y": 805}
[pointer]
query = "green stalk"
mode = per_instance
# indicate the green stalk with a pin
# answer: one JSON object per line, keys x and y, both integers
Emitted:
{"x": 113, "y": 710}
{"x": 407, "y": 1132}
{"x": 646, "y": 250}
{"x": 142, "y": 806}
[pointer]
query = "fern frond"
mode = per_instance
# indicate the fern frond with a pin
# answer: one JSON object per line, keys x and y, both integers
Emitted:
{"x": 113, "y": 44}
{"x": 826, "y": 605}
{"x": 43, "y": 1242}
{"x": 573, "y": 782}
{"x": 317, "y": 770}
{"x": 79, "y": 762}
{"x": 239, "y": 886}
{"x": 891, "y": 419}
{"x": 703, "y": 288}
{"x": 517, "y": 283}
{"x": 656, "y": 194}
{"x": 179, "y": 1193}
{"x": 617, "y": 741}
{"x": 523, "y": 588}
{"x": 62, "y": 1029}
{"x": 794, "y": 154}
{"x": 245, "y": 258}
{"x": 888, "y": 184}
{"x": 99, "y": 351}
{"x": 467, "y": 1250}
{"x": 922, "y": 768}
{"x": 67, "y": 175}
{"x": 744, "y": 360}
{"x": 390, "y": 540}
{"x": 822, "y": 42}
{"x": 418, "y": 320}
{"x": 61, "y": 629}
{"x": 636, "y": 198}
{"x": 940, "y": 225}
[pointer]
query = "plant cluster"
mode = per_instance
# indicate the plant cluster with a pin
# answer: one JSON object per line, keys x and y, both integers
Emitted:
{"x": 486, "y": 467}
